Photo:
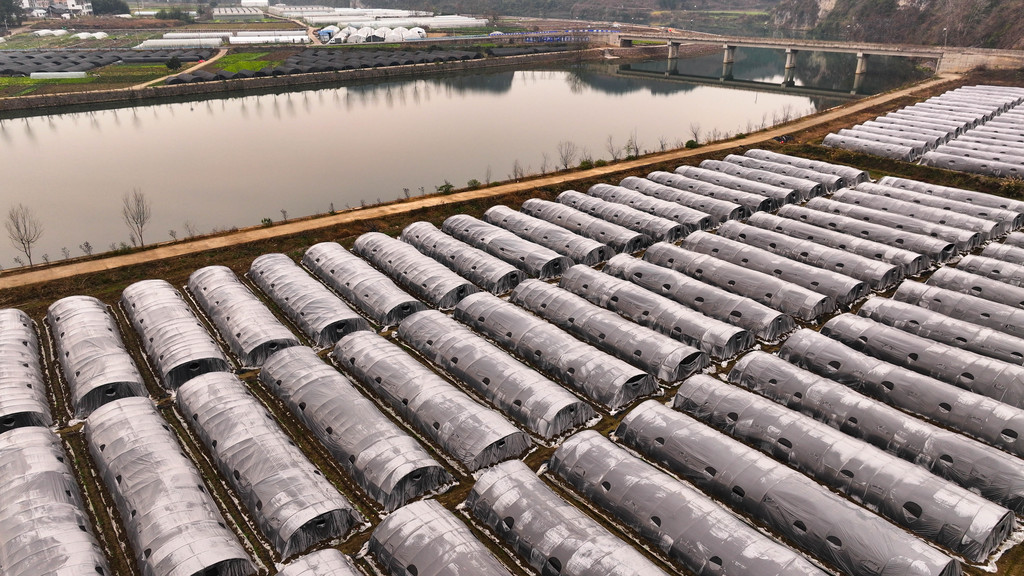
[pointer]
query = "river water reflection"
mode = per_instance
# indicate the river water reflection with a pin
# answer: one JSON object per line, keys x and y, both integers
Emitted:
{"x": 235, "y": 161}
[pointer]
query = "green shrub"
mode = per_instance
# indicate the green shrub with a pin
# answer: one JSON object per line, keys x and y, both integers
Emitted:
{"x": 586, "y": 165}
{"x": 599, "y": 163}
{"x": 692, "y": 144}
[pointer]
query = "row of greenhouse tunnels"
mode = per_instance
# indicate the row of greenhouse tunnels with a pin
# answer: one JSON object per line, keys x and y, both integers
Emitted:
{"x": 761, "y": 365}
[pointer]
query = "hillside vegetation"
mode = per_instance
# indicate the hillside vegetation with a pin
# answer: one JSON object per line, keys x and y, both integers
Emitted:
{"x": 980, "y": 23}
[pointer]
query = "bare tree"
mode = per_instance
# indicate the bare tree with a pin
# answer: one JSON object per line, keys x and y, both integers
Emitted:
{"x": 567, "y": 151}
{"x": 173, "y": 234}
{"x": 284, "y": 215}
{"x": 190, "y": 228}
{"x": 24, "y": 229}
{"x": 632, "y": 146}
{"x": 545, "y": 162}
{"x": 518, "y": 172}
{"x": 586, "y": 156}
{"x": 695, "y": 131}
{"x": 662, "y": 143}
{"x": 65, "y": 252}
{"x": 137, "y": 212}
{"x": 614, "y": 151}
{"x": 86, "y": 248}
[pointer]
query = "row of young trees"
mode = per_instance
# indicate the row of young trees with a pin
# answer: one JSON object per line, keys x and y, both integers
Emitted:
{"x": 24, "y": 229}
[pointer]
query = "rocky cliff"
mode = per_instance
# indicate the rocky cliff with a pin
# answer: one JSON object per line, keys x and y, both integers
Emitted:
{"x": 983, "y": 23}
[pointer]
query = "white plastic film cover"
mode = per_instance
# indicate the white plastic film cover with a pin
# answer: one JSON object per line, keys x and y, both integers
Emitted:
{"x": 143, "y": 467}
{"x": 472, "y": 434}
{"x": 958, "y": 194}
{"x": 779, "y": 196}
{"x": 421, "y": 275}
{"x": 996, "y": 379}
{"x": 95, "y": 362}
{"x": 293, "y": 504}
{"x": 1006, "y": 319}
{"x": 579, "y": 249}
{"x": 834, "y": 530}
{"x": 830, "y": 182}
{"x": 1005, "y": 252}
{"x": 941, "y": 328}
{"x": 936, "y": 510}
{"x": 22, "y": 387}
{"x": 517, "y": 390}
{"x": 1012, "y": 274}
{"x": 690, "y": 218}
{"x": 980, "y": 286}
{"x": 494, "y": 275}
{"x": 943, "y": 451}
{"x": 550, "y": 534}
{"x": 654, "y": 226}
{"x": 359, "y": 283}
{"x": 667, "y": 359}
{"x": 964, "y": 240}
{"x": 906, "y": 151}
{"x": 841, "y": 288}
{"x": 321, "y": 315}
{"x": 44, "y": 528}
{"x": 761, "y": 321}
{"x": 384, "y": 460}
{"x": 716, "y": 338}
{"x": 326, "y": 562}
{"x": 532, "y": 258}
{"x": 806, "y": 188}
{"x": 937, "y": 250}
{"x": 719, "y": 210}
{"x": 1008, "y": 220}
{"x": 999, "y": 479}
{"x": 786, "y": 297}
{"x": 250, "y": 329}
{"x": 877, "y": 274}
{"x": 177, "y": 344}
{"x": 620, "y": 238}
{"x": 987, "y": 227}
{"x": 853, "y": 176}
{"x": 597, "y": 375}
{"x": 751, "y": 202}
{"x": 690, "y": 527}
{"x": 425, "y": 539}
{"x": 908, "y": 263}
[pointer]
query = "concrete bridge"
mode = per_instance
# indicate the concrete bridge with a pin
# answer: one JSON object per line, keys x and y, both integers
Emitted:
{"x": 949, "y": 58}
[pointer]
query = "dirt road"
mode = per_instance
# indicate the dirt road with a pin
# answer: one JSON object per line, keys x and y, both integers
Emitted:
{"x": 28, "y": 277}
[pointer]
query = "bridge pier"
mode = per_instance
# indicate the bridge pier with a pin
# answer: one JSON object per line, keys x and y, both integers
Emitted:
{"x": 673, "y": 50}
{"x": 730, "y": 54}
{"x": 727, "y": 62}
{"x": 862, "y": 71}
{"x": 862, "y": 63}
{"x": 858, "y": 83}
{"x": 789, "y": 79}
